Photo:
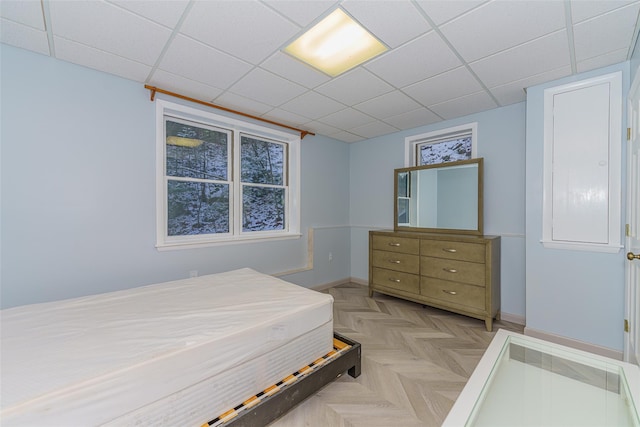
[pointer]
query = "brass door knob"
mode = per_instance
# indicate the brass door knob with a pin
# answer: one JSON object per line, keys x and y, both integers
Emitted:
{"x": 631, "y": 256}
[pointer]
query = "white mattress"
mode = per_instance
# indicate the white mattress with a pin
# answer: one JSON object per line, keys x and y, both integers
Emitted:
{"x": 90, "y": 360}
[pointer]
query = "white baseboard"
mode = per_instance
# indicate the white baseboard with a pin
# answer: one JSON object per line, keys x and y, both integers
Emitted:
{"x": 357, "y": 281}
{"x": 324, "y": 286}
{"x": 569, "y": 342}
{"x": 513, "y": 318}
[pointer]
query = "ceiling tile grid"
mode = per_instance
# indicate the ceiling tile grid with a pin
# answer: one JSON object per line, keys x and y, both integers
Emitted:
{"x": 17, "y": 34}
{"x": 446, "y": 59}
{"x": 521, "y": 61}
{"x": 108, "y": 28}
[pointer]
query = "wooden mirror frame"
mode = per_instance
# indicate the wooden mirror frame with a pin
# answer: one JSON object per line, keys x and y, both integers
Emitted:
{"x": 480, "y": 223}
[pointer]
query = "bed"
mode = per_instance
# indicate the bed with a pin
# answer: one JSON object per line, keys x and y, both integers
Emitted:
{"x": 175, "y": 353}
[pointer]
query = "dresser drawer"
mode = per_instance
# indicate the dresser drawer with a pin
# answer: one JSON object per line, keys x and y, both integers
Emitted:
{"x": 396, "y": 280}
{"x": 396, "y": 244}
{"x": 396, "y": 261}
{"x": 452, "y": 292}
{"x": 449, "y": 269}
{"x": 453, "y": 250}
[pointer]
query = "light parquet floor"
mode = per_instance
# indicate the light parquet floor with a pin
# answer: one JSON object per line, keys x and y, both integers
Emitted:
{"x": 415, "y": 362}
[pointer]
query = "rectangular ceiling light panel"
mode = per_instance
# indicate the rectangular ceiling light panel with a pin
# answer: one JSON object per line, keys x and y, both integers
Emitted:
{"x": 336, "y": 44}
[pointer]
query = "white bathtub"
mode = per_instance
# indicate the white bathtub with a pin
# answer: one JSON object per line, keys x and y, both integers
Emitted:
{"x": 524, "y": 381}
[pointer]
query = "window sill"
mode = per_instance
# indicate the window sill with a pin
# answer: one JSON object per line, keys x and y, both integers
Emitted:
{"x": 227, "y": 241}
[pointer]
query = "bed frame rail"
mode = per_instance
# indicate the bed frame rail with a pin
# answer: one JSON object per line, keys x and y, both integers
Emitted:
{"x": 276, "y": 405}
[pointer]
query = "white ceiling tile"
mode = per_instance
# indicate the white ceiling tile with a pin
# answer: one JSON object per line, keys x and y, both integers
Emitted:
{"x": 165, "y": 12}
{"x": 286, "y": 117}
{"x": 415, "y": 61}
{"x": 346, "y": 119}
{"x": 389, "y": 104}
{"x": 606, "y": 33}
{"x": 463, "y": 106}
{"x": 451, "y": 84}
{"x": 92, "y": 23}
{"x": 246, "y": 29}
{"x": 610, "y": 58}
{"x": 240, "y": 103}
{"x": 23, "y": 12}
{"x": 321, "y": 128}
{"x": 302, "y": 12}
{"x": 441, "y": 11}
{"x": 346, "y": 137}
{"x": 509, "y": 94}
{"x": 202, "y": 63}
{"x": 513, "y": 92}
{"x": 313, "y": 105}
{"x": 183, "y": 86}
{"x": 266, "y": 87}
{"x": 500, "y": 25}
{"x": 535, "y": 57}
{"x": 100, "y": 60}
{"x": 291, "y": 69}
{"x": 585, "y": 9}
{"x": 413, "y": 119}
{"x": 374, "y": 129}
{"x": 374, "y": 16}
{"x": 23, "y": 36}
{"x": 354, "y": 87}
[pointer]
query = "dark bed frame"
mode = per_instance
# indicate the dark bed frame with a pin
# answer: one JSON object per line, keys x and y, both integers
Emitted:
{"x": 277, "y": 404}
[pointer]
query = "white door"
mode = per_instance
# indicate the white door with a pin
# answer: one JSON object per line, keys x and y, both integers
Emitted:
{"x": 632, "y": 242}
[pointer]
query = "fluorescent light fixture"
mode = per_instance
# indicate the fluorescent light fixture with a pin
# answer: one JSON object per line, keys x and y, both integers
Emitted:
{"x": 336, "y": 44}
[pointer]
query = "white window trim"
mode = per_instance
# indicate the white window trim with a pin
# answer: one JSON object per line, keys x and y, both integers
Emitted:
{"x": 615, "y": 169}
{"x": 292, "y": 228}
{"x": 412, "y": 141}
{"x": 237, "y": 207}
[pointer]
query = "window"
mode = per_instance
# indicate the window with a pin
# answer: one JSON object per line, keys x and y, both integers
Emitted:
{"x": 404, "y": 199}
{"x": 263, "y": 184}
{"x": 222, "y": 180}
{"x": 446, "y": 145}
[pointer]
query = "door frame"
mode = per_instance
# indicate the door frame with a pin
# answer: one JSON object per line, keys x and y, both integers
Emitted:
{"x": 632, "y": 290}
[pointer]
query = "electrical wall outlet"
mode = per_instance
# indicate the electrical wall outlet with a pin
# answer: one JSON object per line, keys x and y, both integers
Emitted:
{"x": 330, "y": 256}
{"x": 193, "y": 273}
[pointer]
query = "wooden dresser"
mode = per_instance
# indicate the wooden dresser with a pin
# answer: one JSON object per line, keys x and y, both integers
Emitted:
{"x": 454, "y": 272}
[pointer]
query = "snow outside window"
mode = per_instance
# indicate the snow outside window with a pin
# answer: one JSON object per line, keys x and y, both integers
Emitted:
{"x": 264, "y": 193}
{"x": 207, "y": 195}
{"x": 446, "y": 145}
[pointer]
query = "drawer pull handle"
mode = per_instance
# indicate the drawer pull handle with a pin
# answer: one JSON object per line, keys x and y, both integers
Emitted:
{"x": 450, "y": 250}
{"x": 394, "y": 261}
{"x": 394, "y": 280}
{"x": 450, "y": 270}
{"x": 449, "y": 292}
{"x": 397, "y": 245}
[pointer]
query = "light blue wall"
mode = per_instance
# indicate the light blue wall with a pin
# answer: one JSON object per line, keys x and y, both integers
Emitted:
{"x": 573, "y": 294}
{"x": 77, "y": 207}
{"x": 78, "y": 191}
{"x": 501, "y": 141}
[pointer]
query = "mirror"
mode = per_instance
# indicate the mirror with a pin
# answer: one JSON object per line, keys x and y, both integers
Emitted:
{"x": 441, "y": 198}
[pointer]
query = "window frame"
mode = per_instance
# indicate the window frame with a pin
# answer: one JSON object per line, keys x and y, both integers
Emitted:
{"x": 236, "y": 127}
{"x": 243, "y": 184}
{"x": 412, "y": 142}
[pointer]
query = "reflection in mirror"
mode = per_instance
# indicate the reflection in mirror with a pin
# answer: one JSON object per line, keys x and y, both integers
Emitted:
{"x": 440, "y": 198}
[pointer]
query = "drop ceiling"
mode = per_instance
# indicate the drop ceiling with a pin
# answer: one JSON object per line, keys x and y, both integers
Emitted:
{"x": 447, "y": 59}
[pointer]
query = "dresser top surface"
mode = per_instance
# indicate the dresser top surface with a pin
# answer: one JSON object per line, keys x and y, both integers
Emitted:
{"x": 434, "y": 236}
